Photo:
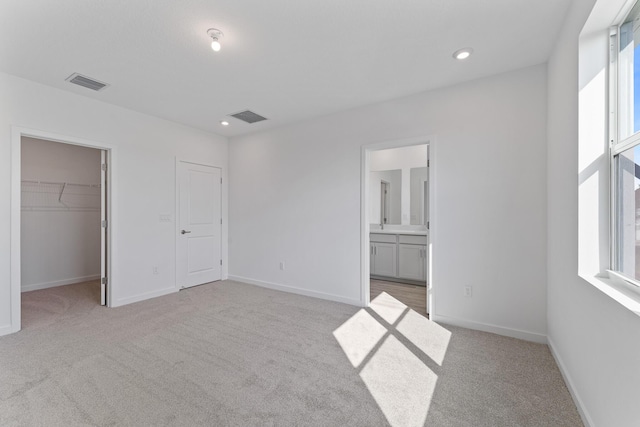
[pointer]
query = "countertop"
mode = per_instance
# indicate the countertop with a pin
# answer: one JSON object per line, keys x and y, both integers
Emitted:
{"x": 409, "y": 232}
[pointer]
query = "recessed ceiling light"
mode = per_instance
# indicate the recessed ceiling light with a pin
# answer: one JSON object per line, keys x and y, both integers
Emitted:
{"x": 215, "y": 35}
{"x": 224, "y": 123}
{"x": 463, "y": 53}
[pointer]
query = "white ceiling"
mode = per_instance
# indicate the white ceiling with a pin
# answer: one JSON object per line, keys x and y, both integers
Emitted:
{"x": 284, "y": 59}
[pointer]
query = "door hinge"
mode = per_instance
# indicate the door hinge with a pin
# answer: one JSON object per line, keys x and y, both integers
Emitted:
{"x": 220, "y": 180}
{"x": 105, "y": 281}
{"x": 427, "y": 225}
{"x": 428, "y": 162}
{"x": 104, "y": 167}
{"x": 220, "y": 262}
{"x": 220, "y": 221}
{"x": 104, "y": 224}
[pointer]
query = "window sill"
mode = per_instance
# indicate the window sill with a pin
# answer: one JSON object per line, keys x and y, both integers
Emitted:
{"x": 617, "y": 288}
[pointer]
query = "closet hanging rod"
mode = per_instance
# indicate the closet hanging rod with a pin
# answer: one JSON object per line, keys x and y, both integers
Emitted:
{"x": 24, "y": 181}
{"x": 62, "y": 191}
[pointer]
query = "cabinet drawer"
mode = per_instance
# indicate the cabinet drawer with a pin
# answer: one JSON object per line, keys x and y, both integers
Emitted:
{"x": 412, "y": 240}
{"x": 383, "y": 238}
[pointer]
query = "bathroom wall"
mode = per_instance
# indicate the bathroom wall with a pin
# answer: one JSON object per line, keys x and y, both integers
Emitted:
{"x": 403, "y": 159}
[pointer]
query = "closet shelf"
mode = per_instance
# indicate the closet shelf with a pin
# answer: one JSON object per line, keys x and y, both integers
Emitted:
{"x": 55, "y": 196}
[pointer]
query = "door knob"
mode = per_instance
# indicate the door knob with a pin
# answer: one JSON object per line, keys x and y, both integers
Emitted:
{"x": 184, "y": 232}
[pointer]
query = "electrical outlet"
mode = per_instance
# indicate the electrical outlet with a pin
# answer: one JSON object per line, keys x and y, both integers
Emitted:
{"x": 155, "y": 269}
{"x": 282, "y": 265}
{"x": 467, "y": 291}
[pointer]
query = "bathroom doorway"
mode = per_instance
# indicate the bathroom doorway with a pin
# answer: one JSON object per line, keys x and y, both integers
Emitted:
{"x": 396, "y": 223}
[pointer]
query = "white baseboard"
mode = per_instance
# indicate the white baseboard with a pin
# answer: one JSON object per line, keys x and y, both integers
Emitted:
{"x": 144, "y": 296}
{"x": 294, "y": 290}
{"x": 586, "y": 419}
{"x": 6, "y": 330}
{"x": 495, "y": 329}
{"x": 37, "y": 286}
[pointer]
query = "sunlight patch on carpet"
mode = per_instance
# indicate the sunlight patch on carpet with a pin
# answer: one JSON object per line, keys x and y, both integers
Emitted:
{"x": 358, "y": 336}
{"x": 394, "y": 370}
{"x": 401, "y": 384}
{"x": 387, "y": 307}
{"x": 425, "y": 334}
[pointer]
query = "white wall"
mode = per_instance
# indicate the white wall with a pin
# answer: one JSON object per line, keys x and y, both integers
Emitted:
{"x": 59, "y": 245}
{"x": 143, "y": 172}
{"x": 295, "y": 197}
{"x": 595, "y": 339}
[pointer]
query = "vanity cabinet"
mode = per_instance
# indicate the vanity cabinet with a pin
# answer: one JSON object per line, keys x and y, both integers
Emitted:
{"x": 411, "y": 261}
{"x": 383, "y": 259}
{"x": 384, "y": 255}
{"x": 398, "y": 256}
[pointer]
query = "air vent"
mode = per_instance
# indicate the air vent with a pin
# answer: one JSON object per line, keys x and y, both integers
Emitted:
{"x": 248, "y": 116}
{"x": 85, "y": 81}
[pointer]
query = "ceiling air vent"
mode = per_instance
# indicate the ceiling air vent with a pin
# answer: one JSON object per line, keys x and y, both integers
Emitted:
{"x": 248, "y": 116}
{"x": 85, "y": 81}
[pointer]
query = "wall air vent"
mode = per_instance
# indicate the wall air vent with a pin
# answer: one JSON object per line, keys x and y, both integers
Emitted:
{"x": 85, "y": 81}
{"x": 248, "y": 116}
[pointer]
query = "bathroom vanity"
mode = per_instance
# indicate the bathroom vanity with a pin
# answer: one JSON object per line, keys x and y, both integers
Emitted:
{"x": 399, "y": 256}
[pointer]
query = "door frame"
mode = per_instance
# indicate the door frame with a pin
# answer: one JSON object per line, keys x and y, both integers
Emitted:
{"x": 176, "y": 216}
{"x": 16, "y": 176}
{"x": 365, "y": 166}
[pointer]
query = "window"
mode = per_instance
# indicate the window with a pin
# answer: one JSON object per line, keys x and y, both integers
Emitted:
{"x": 625, "y": 149}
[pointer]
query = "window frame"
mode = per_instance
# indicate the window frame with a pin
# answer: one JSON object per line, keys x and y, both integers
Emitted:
{"x": 616, "y": 147}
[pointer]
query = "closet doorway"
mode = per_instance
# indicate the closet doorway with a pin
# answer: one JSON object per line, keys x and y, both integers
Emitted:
{"x": 63, "y": 242}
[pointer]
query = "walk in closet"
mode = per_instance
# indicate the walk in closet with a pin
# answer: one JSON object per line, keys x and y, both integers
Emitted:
{"x": 60, "y": 214}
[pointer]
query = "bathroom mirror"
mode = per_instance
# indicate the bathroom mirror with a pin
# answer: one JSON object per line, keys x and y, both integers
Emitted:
{"x": 419, "y": 190}
{"x": 386, "y": 196}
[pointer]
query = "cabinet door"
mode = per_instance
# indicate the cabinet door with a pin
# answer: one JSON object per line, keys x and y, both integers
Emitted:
{"x": 384, "y": 263}
{"x": 411, "y": 262}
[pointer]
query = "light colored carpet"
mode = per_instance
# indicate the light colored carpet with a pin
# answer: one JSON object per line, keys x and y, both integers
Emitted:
{"x": 231, "y": 354}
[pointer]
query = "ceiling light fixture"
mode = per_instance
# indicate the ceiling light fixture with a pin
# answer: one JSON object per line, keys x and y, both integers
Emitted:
{"x": 463, "y": 53}
{"x": 215, "y": 35}
{"x": 224, "y": 123}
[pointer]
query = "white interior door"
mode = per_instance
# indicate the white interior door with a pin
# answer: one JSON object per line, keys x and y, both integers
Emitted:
{"x": 199, "y": 257}
{"x": 427, "y": 222}
{"x": 103, "y": 228}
